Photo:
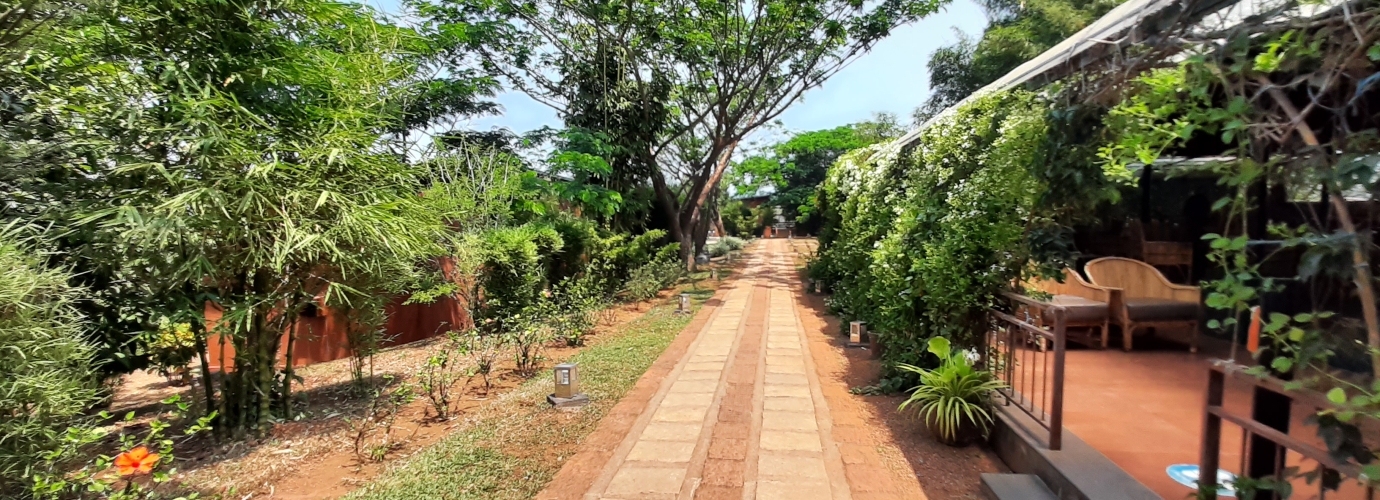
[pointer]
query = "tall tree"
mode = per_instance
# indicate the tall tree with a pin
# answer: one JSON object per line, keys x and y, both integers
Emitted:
{"x": 723, "y": 69}
{"x": 1016, "y": 32}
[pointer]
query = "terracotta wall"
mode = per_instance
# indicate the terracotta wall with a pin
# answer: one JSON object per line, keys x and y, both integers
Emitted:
{"x": 322, "y": 337}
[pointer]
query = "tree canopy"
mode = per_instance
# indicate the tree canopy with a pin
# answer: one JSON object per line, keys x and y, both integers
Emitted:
{"x": 1016, "y": 32}
{"x": 794, "y": 169}
{"x": 695, "y": 77}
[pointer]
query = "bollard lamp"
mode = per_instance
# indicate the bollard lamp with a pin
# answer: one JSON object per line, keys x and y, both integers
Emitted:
{"x": 857, "y": 331}
{"x": 567, "y": 393}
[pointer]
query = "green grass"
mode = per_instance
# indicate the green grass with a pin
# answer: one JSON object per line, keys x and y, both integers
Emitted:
{"x": 479, "y": 461}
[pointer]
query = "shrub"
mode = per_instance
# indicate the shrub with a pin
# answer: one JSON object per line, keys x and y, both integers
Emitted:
{"x": 513, "y": 273}
{"x": 482, "y": 351}
{"x": 953, "y": 397}
{"x": 575, "y": 302}
{"x": 443, "y": 369}
{"x": 725, "y": 245}
{"x": 373, "y": 431}
{"x": 527, "y": 338}
{"x": 743, "y": 221}
{"x": 646, "y": 281}
{"x": 50, "y": 377}
{"x": 719, "y": 249}
{"x": 919, "y": 240}
{"x": 620, "y": 255}
{"x": 140, "y": 469}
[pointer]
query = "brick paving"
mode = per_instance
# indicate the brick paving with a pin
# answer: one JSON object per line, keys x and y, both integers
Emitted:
{"x": 741, "y": 415}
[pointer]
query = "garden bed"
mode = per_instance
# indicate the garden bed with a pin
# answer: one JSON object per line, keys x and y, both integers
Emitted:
{"x": 314, "y": 457}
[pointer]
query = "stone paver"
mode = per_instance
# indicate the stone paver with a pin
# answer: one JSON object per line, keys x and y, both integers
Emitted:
{"x": 743, "y": 415}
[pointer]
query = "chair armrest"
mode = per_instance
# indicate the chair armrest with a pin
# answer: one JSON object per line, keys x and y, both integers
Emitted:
{"x": 1186, "y": 293}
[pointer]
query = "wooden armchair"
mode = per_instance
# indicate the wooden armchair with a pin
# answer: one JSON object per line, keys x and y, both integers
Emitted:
{"x": 1087, "y": 305}
{"x": 1147, "y": 298}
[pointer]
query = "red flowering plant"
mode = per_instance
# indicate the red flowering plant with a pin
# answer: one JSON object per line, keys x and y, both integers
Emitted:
{"x": 139, "y": 471}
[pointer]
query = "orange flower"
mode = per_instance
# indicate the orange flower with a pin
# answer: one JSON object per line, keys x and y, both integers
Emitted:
{"x": 136, "y": 461}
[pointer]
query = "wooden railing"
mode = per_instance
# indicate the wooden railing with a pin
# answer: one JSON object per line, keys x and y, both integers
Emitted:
{"x": 1215, "y": 414}
{"x": 1018, "y": 353}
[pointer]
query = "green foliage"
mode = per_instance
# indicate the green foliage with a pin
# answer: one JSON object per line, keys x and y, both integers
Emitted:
{"x": 725, "y": 245}
{"x": 1016, "y": 32}
{"x": 50, "y": 378}
{"x": 666, "y": 85}
{"x": 443, "y": 369}
{"x": 919, "y": 242}
{"x": 797, "y": 166}
{"x": 483, "y": 459}
{"x": 237, "y": 152}
{"x": 73, "y": 471}
{"x": 647, "y": 280}
{"x": 171, "y": 346}
{"x": 743, "y": 221}
{"x": 514, "y": 271}
{"x": 953, "y": 395}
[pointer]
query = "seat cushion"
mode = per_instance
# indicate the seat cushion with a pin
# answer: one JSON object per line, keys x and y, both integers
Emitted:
{"x": 1078, "y": 309}
{"x": 1148, "y": 309}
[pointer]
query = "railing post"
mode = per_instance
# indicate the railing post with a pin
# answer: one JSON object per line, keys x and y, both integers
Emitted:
{"x": 1056, "y": 410}
{"x": 1212, "y": 435}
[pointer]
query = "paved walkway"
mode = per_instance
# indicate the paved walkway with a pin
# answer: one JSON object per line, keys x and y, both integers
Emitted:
{"x": 742, "y": 414}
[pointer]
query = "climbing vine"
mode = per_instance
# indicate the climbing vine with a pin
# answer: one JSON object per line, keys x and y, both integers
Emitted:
{"x": 919, "y": 239}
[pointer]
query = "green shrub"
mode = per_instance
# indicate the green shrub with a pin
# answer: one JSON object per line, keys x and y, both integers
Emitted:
{"x": 654, "y": 276}
{"x": 725, "y": 245}
{"x": 170, "y": 347}
{"x": 743, "y": 221}
{"x": 575, "y": 302}
{"x": 50, "y": 377}
{"x": 513, "y": 274}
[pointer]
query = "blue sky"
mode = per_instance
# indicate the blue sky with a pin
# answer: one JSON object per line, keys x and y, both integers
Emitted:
{"x": 892, "y": 77}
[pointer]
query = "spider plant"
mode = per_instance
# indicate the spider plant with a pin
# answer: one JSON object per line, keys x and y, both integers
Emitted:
{"x": 953, "y": 399}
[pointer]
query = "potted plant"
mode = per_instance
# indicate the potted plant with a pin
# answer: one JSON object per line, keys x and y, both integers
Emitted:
{"x": 954, "y": 399}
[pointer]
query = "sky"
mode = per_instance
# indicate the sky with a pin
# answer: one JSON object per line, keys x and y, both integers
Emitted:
{"x": 891, "y": 78}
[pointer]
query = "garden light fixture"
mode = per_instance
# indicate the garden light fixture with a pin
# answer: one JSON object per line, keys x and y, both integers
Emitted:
{"x": 856, "y": 331}
{"x": 568, "y": 393}
{"x": 683, "y": 307}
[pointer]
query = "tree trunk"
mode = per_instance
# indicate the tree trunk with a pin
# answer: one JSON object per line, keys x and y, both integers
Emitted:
{"x": 1360, "y": 261}
{"x": 288, "y": 370}
{"x": 1364, "y": 289}
{"x": 207, "y": 382}
{"x": 671, "y": 208}
{"x": 711, "y": 185}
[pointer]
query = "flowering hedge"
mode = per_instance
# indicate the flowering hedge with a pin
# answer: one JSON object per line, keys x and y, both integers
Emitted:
{"x": 918, "y": 240}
